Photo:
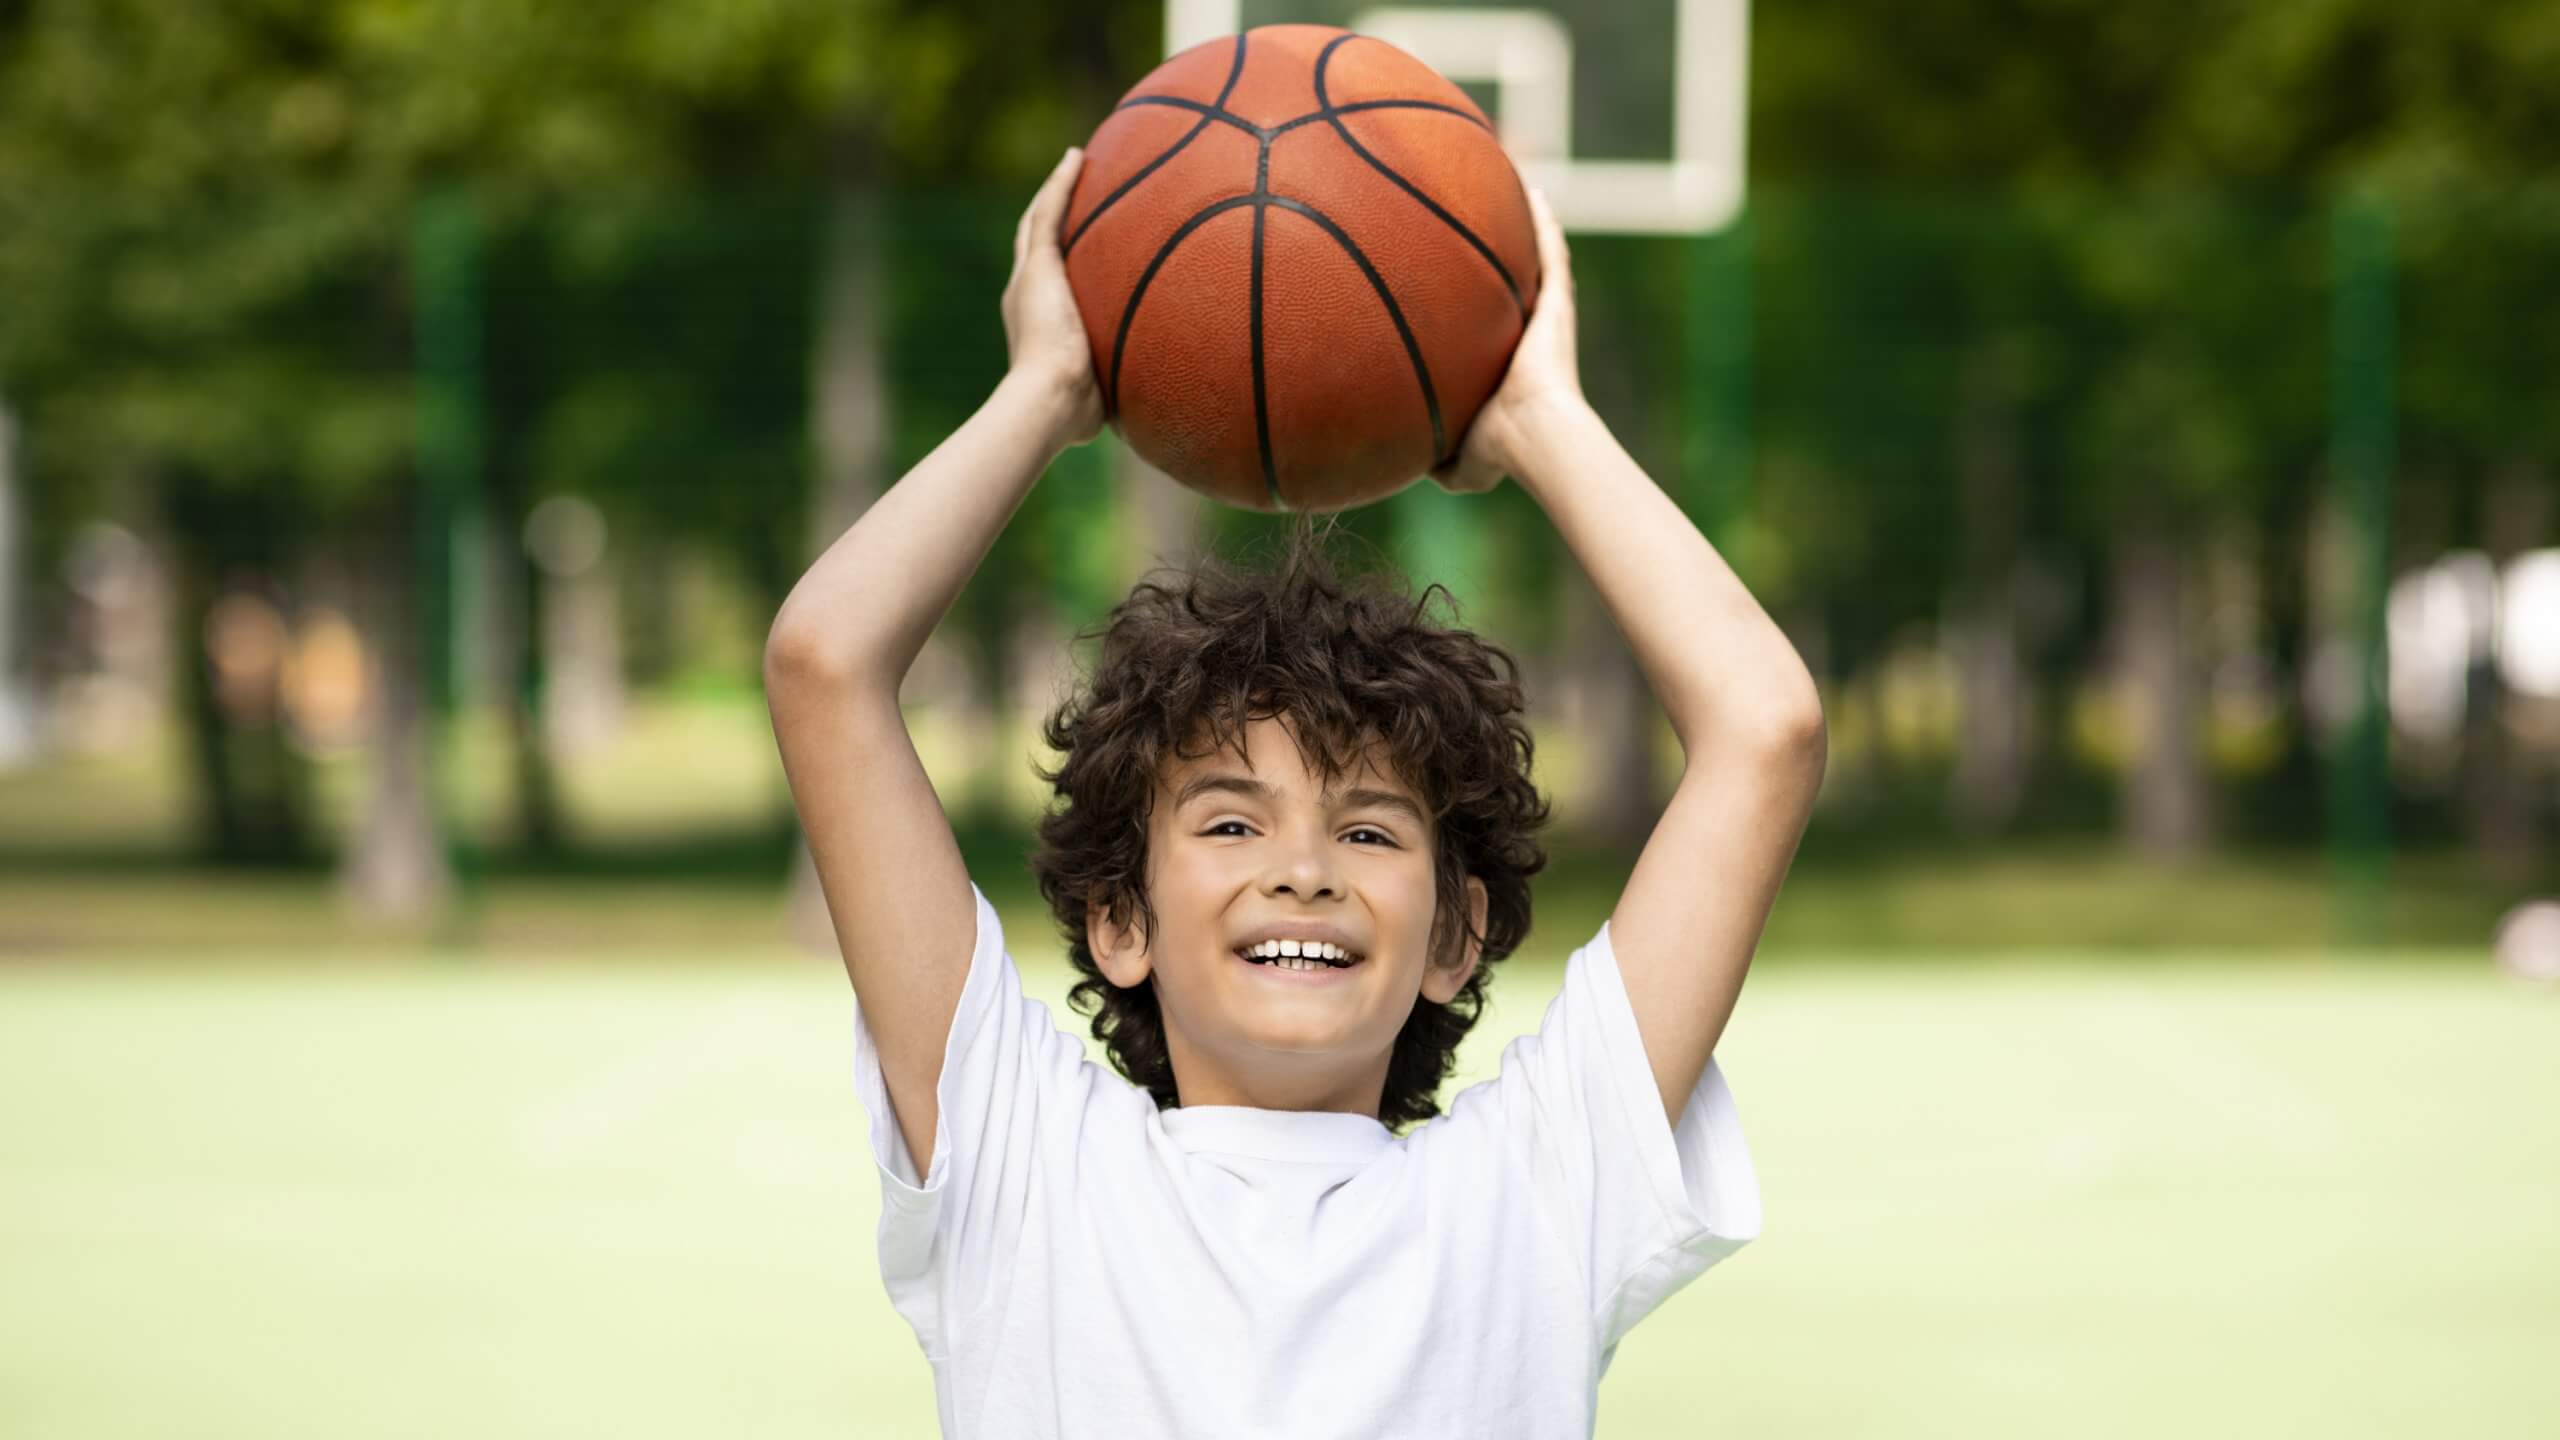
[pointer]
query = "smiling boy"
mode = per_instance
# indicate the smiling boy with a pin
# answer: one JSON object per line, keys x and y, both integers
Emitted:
{"x": 1259, "y": 1220}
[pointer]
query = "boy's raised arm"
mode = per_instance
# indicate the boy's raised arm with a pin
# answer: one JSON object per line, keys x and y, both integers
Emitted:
{"x": 895, "y": 885}
{"x": 1744, "y": 707}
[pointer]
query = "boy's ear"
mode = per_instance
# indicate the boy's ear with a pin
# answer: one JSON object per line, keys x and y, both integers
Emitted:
{"x": 1439, "y": 985}
{"x": 1117, "y": 949}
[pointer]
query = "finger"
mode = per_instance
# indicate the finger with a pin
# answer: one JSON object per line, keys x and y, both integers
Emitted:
{"x": 1029, "y": 224}
{"x": 1553, "y": 257}
{"x": 1048, "y": 208}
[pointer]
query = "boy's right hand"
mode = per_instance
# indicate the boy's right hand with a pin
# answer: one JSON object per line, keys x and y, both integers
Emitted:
{"x": 1043, "y": 329}
{"x": 1544, "y": 378}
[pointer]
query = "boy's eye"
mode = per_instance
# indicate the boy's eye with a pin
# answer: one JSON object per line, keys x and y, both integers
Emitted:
{"x": 1225, "y": 825}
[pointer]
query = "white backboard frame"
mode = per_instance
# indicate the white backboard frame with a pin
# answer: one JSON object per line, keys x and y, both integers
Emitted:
{"x": 1526, "y": 54}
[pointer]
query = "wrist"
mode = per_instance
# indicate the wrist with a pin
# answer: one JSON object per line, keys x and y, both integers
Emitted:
{"x": 1046, "y": 401}
{"x": 1542, "y": 429}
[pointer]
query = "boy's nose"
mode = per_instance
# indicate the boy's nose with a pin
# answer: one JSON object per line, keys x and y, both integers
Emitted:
{"x": 1307, "y": 873}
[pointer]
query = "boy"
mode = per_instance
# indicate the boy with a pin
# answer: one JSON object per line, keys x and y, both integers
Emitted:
{"x": 1296, "y": 826}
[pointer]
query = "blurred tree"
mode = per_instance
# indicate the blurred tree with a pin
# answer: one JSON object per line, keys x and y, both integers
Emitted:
{"x": 1906, "y": 349}
{"x": 1981, "y": 92}
{"x": 726, "y": 245}
{"x": 2183, "y": 410}
{"x": 204, "y": 295}
{"x": 2198, "y": 395}
{"x": 1630, "y": 347}
{"x": 2477, "y": 362}
{"x": 204, "y": 222}
{"x": 2438, "y": 110}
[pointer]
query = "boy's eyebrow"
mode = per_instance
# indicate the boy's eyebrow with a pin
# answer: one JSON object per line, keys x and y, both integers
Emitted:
{"x": 1254, "y": 789}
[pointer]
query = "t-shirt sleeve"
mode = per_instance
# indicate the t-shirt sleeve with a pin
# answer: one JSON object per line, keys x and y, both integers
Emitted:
{"x": 1009, "y": 1074}
{"x": 1649, "y": 1205}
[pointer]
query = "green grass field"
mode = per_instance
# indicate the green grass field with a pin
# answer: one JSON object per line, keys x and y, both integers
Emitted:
{"x": 546, "y": 1194}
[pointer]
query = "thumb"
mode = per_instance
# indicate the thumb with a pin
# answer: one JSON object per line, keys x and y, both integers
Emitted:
{"x": 1465, "y": 474}
{"x": 1038, "y": 228}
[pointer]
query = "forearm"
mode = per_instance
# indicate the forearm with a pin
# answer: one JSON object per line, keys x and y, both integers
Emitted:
{"x": 1721, "y": 667}
{"x": 866, "y": 606}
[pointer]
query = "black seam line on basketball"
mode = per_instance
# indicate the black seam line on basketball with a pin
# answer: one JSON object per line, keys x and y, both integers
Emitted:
{"x": 1234, "y": 71}
{"x": 1354, "y": 108}
{"x": 1261, "y": 391}
{"x": 1195, "y": 107}
{"x": 1324, "y": 58}
{"x": 1377, "y": 282}
{"x": 1261, "y": 395}
{"x": 1220, "y": 113}
{"x": 1129, "y": 312}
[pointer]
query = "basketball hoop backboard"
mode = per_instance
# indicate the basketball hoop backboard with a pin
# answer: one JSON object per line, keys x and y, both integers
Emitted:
{"x": 1629, "y": 113}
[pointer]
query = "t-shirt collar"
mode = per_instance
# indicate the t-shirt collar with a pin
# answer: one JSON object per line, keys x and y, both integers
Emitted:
{"x": 1320, "y": 1135}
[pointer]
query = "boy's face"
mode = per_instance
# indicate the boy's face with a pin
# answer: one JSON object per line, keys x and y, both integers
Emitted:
{"x": 1239, "y": 850}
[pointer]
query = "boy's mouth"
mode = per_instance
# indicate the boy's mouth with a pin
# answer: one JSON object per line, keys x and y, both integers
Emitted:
{"x": 1312, "y": 960}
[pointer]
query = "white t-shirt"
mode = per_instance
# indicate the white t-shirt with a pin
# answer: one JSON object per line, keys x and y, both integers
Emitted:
{"x": 1077, "y": 1263}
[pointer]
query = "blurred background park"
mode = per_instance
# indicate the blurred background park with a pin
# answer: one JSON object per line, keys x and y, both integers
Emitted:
{"x": 412, "y": 412}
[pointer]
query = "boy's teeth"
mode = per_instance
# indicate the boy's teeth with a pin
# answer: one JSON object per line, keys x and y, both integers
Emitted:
{"x": 1292, "y": 949}
{"x": 1299, "y": 954}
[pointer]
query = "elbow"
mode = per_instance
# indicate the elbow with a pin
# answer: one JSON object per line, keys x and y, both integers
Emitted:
{"x": 788, "y": 652}
{"x": 1785, "y": 743}
{"x": 1791, "y": 730}
{"x": 1772, "y": 727}
{"x": 796, "y": 657}
{"x": 1803, "y": 736}
{"x": 1809, "y": 739}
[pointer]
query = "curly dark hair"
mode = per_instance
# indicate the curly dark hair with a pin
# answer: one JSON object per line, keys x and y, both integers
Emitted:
{"x": 1194, "y": 655}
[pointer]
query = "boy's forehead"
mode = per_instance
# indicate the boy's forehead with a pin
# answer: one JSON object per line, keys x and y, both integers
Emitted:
{"x": 1375, "y": 768}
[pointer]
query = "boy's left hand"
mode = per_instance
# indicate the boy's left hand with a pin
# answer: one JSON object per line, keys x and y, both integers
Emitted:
{"x": 1044, "y": 332}
{"x": 1544, "y": 371}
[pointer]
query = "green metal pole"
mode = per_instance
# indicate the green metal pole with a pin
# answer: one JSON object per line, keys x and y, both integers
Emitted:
{"x": 1440, "y": 537}
{"x": 1082, "y": 552}
{"x": 2364, "y": 363}
{"x": 1715, "y": 447}
{"x": 446, "y": 243}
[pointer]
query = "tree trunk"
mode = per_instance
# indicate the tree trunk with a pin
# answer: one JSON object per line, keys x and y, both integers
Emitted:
{"x": 1989, "y": 779}
{"x": 851, "y": 417}
{"x": 17, "y": 705}
{"x": 2286, "y": 803}
{"x": 252, "y": 786}
{"x": 851, "y": 412}
{"x": 517, "y": 668}
{"x": 1169, "y": 523}
{"x": 394, "y": 871}
{"x": 581, "y": 627}
{"x": 1615, "y": 720}
{"x": 2164, "y": 799}
{"x": 538, "y": 823}
{"x": 2500, "y": 816}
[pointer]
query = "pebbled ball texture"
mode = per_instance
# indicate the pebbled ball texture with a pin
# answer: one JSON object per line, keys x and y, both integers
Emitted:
{"x": 1303, "y": 260}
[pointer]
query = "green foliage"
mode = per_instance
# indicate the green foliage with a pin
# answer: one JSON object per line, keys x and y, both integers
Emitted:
{"x": 2477, "y": 359}
{"x": 204, "y": 213}
{"x": 652, "y": 350}
{"x": 2092, "y": 238}
{"x": 1990, "y": 91}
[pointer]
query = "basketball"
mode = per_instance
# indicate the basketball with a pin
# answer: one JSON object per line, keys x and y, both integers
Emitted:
{"x": 1302, "y": 260}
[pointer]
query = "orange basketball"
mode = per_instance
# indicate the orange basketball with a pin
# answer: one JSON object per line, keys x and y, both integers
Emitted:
{"x": 1303, "y": 261}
